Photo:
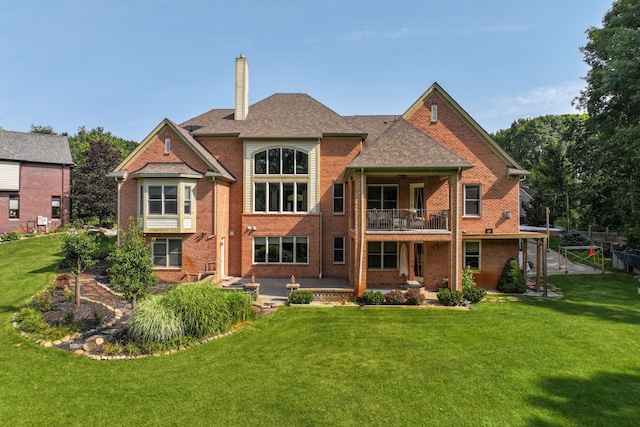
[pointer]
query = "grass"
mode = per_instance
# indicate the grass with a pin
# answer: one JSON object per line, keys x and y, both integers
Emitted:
{"x": 530, "y": 362}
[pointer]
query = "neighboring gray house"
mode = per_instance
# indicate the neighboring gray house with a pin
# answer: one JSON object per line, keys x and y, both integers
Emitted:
{"x": 35, "y": 181}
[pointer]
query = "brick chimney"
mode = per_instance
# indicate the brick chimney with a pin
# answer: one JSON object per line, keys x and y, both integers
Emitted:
{"x": 242, "y": 88}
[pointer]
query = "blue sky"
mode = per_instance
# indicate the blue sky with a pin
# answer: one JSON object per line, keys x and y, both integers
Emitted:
{"x": 126, "y": 65}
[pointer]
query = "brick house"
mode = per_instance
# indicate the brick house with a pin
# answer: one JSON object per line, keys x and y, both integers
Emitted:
{"x": 288, "y": 187}
{"x": 35, "y": 179}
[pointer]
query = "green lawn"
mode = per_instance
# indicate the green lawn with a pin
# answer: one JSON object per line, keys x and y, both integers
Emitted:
{"x": 530, "y": 362}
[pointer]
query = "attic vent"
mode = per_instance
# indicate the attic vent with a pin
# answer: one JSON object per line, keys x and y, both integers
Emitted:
{"x": 167, "y": 145}
{"x": 434, "y": 113}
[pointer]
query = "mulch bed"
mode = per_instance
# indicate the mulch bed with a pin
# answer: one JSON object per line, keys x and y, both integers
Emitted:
{"x": 90, "y": 315}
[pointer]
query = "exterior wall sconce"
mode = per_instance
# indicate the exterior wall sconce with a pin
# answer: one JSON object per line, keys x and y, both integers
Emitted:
{"x": 506, "y": 214}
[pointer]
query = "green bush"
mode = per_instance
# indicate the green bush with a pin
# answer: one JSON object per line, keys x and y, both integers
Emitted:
{"x": 371, "y": 298}
{"x": 42, "y": 300}
{"x": 414, "y": 297}
{"x": 201, "y": 307}
{"x": 240, "y": 306}
{"x": 512, "y": 281}
{"x": 395, "y": 297}
{"x": 470, "y": 292}
{"x": 31, "y": 321}
{"x": 153, "y": 321}
{"x": 448, "y": 297}
{"x": 11, "y": 236}
{"x": 301, "y": 297}
{"x": 473, "y": 294}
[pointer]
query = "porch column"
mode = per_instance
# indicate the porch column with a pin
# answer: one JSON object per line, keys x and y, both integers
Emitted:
{"x": 456, "y": 234}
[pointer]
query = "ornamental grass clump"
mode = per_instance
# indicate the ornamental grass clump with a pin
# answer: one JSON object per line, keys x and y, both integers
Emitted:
{"x": 202, "y": 309}
{"x": 153, "y": 321}
{"x": 240, "y": 306}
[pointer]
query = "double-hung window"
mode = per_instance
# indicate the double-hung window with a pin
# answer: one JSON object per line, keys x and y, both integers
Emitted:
{"x": 382, "y": 197}
{"x": 163, "y": 199}
{"x": 280, "y": 250}
{"x": 55, "y": 207}
{"x": 14, "y": 206}
{"x": 472, "y": 200}
{"x": 167, "y": 253}
{"x": 382, "y": 255}
{"x": 472, "y": 254}
{"x": 281, "y": 180}
{"x": 338, "y": 250}
{"x": 338, "y": 197}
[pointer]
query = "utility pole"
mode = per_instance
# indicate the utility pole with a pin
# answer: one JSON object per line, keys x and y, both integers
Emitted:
{"x": 544, "y": 262}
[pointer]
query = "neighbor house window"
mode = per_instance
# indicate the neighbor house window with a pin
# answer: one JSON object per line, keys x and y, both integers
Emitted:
{"x": 280, "y": 250}
{"x": 163, "y": 199}
{"x": 55, "y": 207}
{"x": 338, "y": 250}
{"x": 382, "y": 255}
{"x": 167, "y": 253}
{"x": 472, "y": 199}
{"x": 338, "y": 197}
{"x": 472, "y": 255}
{"x": 382, "y": 197}
{"x": 281, "y": 181}
{"x": 14, "y": 206}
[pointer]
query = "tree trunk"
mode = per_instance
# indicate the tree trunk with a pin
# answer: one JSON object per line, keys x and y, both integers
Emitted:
{"x": 133, "y": 302}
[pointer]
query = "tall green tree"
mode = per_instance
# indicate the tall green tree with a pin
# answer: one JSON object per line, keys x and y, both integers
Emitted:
{"x": 94, "y": 194}
{"x": 546, "y": 146}
{"x": 80, "y": 142}
{"x": 612, "y": 100}
{"x": 79, "y": 251}
{"x": 131, "y": 271}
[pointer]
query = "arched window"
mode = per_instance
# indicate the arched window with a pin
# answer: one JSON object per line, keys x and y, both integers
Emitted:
{"x": 281, "y": 180}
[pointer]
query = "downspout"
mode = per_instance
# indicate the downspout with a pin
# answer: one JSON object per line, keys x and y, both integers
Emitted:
{"x": 118, "y": 215}
{"x": 215, "y": 208}
{"x": 320, "y": 243}
{"x": 361, "y": 226}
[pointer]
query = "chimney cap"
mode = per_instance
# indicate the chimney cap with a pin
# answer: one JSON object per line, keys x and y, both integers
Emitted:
{"x": 242, "y": 56}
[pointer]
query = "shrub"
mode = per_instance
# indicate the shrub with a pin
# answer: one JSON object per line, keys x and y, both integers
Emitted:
{"x": 371, "y": 298}
{"x": 469, "y": 290}
{"x": 114, "y": 349}
{"x": 11, "y": 236}
{"x": 31, "y": 320}
{"x": 395, "y": 297}
{"x": 201, "y": 307}
{"x": 153, "y": 321}
{"x": 301, "y": 297}
{"x": 512, "y": 280}
{"x": 42, "y": 301}
{"x": 473, "y": 294}
{"x": 414, "y": 297}
{"x": 448, "y": 297}
{"x": 240, "y": 306}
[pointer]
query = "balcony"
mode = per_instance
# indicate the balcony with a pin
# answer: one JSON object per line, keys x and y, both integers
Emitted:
{"x": 407, "y": 220}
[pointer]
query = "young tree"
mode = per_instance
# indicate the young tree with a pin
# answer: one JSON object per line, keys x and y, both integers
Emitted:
{"x": 79, "y": 248}
{"x": 612, "y": 99}
{"x": 131, "y": 271}
{"x": 94, "y": 194}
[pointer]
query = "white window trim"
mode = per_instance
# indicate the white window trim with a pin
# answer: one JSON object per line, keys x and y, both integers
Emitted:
{"x": 311, "y": 148}
{"x": 167, "y": 265}
{"x": 383, "y": 268}
{"x": 464, "y": 201}
{"x": 464, "y": 254}
{"x": 266, "y": 262}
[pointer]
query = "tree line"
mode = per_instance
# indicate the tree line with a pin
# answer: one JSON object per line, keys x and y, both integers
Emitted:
{"x": 586, "y": 168}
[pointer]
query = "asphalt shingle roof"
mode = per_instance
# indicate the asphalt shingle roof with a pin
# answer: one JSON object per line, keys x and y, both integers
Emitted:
{"x": 34, "y": 147}
{"x": 402, "y": 145}
{"x": 282, "y": 115}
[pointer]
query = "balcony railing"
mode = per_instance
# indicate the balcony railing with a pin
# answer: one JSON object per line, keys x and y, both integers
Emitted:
{"x": 407, "y": 220}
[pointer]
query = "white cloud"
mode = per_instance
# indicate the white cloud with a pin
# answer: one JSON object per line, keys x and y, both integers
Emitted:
{"x": 539, "y": 101}
{"x": 362, "y": 35}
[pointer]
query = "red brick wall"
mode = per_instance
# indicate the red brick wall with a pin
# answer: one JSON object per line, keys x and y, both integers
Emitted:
{"x": 38, "y": 183}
